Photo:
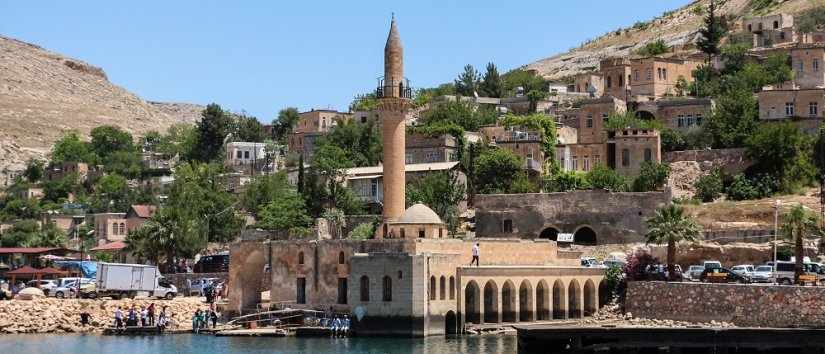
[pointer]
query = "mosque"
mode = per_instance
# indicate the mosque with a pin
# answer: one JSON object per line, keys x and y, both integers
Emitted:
{"x": 413, "y": 279}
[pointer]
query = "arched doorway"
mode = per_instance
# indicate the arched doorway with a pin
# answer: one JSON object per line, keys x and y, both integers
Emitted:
{"x": 472, "y": 303}
{"x": 542, "y": 301}
{"x": 525, "y": 301}
{"x": 508, "y": 302}
{"x": 574, "y": 306}
{"x": 550, "y": 233}
{"x": 604, "y": 293}
{"x": 490, "y": 302}
{"x": 249, "y": 281}
{"x": 585, "y": 236}
{"x": 450, "y": 323}
{"x": 645, "y": 115}
{"x": 589, "y": 298}
{"x": 559, "y": 300}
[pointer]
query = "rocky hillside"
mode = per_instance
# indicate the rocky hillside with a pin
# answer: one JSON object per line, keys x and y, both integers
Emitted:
{"x": 43, "y": 94}
{"x": 678, "y": 28}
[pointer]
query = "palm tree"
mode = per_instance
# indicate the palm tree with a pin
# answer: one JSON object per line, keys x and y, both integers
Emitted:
{"x": 671, "y": 225}
{"x": 798, "y": 223}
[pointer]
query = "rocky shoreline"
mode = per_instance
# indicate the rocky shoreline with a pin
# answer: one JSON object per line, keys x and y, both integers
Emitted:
{"x": 49, "y": 315}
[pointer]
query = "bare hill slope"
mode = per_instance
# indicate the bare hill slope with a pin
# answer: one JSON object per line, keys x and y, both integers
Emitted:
{"x": 43, "y": 94}
{"x": 678, "y": 28}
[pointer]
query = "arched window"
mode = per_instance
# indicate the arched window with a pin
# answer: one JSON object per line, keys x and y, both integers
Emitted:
{"x": 648, "y": 155}
{"x": 625, "y": 157}
{"x": 452, "y": 288}
{"x": 122, "y": 228}
{"x": 300, "y": 257}
{"x": 341, "y": 258}
{"x": 365, "y": 288}
{"x": 432, "y": 287}
{"x": 442, "y": 291}
{"x": 402, "y": 233}
{"x": 387, "y": 288}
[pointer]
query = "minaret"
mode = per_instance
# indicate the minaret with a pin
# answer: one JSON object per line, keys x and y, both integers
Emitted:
{"x": 392, "y": 109}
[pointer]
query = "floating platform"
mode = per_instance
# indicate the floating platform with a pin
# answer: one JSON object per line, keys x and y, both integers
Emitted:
{"x": 575, "y": 339}
{"x": 313, "y": 332}
{"x": 258, "y": 332}
{"x": 134, "y": 331}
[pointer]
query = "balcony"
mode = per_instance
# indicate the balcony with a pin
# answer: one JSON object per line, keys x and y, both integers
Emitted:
{"x": 391, "y": 88}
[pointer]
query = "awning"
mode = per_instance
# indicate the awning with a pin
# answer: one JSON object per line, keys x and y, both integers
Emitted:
{"x": 27, "y": 270}
{"x": 363, "y": 177}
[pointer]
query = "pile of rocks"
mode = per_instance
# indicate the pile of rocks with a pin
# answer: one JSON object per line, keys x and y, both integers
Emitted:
{"x": 49, "y": 315}
{"x": 611, "y": 315}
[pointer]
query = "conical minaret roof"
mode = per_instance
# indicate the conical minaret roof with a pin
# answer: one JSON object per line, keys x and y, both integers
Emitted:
{"x": 393, "y": 56}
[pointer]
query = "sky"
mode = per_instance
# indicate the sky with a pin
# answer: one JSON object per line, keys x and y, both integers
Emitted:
{"x": 262, "y": 56}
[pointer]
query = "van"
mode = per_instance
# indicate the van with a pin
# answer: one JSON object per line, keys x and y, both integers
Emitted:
{"x": 786, "y": 270}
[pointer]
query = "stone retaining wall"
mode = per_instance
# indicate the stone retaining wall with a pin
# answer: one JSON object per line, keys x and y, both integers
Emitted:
{"x": 742, "y": 305}
{"x": 731, "y": 161}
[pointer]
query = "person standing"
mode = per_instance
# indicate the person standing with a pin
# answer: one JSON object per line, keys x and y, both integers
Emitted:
{"x": 151, "y": 314}
{"x": 118, "y": 318}
{"x": 143, "y": 315}
{"x": 476, "y": 252}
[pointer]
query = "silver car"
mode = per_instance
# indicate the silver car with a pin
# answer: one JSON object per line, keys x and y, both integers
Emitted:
{"x": 762, "y": 274}
{"x": 694, "y": 272}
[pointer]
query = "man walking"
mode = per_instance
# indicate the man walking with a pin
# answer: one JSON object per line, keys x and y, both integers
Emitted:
{"x": 475, "y": 255}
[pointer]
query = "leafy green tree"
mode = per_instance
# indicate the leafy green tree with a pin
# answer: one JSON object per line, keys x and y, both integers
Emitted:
{"x": 285, "y": 213}
{"x": 522, "y": 184}
{"x": 70, "y": 148}
{"x": 108, "y": 139}
{"x": 198, "y": 193}
{"x": 652, "y": 176}
{"x": 34, "y": 170}
{"x": 783, "y": 152}
{"x": 249, "y": 129}
{"x": 709, "y": 187}
{"x": 264, "y": 189}
{"x": 18, "y": 208}
{"x": 603, "y": 177}
{"x": 734, "y": 119}
{"x": 464, "y": 114}
{"x": 111, "y": 194}
{"x": 467, "y": 82}
{"x": 654, "y": 48}
{"x": 711, "y": 33}
{"x": 24, "y": 233}
{"x": 287, "y": 119}
{"x": 528, "y": 80}
{"x": 51, "y": 236}
{"x": 361, "y": 142}
{"x": 58, "y": 190}
{"x": 170, "y": 234}
{"x": 496, "y": 169}
{"x": 544, "y": 124}
{"x": 533, "y": 97}
{"x": 363, "y": 231}
{"x": 797, "y": 224}
{"x": 810, "y": 20}
{"x": 214, "y": 126}
{"x": 566, "y": 181}
{"x": 125, "y": 163}
{"x": 441, "y": 191}
{"x": 491, "y": 84}
{"x": 670, "y": 225}
{"x": 364, "y": 103}
{"x": 628, "y": 120}
{"x": 331, "y": 162}
{"x": 423, "y": 96}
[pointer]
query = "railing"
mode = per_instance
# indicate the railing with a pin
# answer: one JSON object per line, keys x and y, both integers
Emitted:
{"x": 392, "y": 88}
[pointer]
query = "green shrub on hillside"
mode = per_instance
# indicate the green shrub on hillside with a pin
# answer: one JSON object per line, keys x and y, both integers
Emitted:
{"x": 709, "y": 187}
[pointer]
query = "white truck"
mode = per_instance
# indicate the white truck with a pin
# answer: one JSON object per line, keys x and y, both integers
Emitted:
{"x": 118, "y": 280}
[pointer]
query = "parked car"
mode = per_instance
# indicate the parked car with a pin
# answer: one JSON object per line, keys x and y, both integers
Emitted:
{"x": 730, "y": 278}
{"x": 591, "y": 262}
{"x": 197, "y": 286}
{"x": 694, "y": 272}
{"x": 45, "y": 284}
{"x": 67, "y": 287}
{"x": 743, "y": 269}
{"x": 212, "y": 264}
{"x": 762, "y": 274}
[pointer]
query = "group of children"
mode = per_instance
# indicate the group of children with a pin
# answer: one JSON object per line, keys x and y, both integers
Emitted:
{"x": 145, "y": 316}
{"x": 339, "y": 325}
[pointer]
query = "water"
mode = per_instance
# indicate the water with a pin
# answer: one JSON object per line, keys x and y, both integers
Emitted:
{"x": 201, "y": 344}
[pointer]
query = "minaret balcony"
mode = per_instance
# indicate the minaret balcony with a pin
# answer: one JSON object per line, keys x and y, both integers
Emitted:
{"x": 394, "y": 88}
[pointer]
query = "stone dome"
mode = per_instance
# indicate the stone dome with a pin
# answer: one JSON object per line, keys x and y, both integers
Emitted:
{"x": 419, "y": 214}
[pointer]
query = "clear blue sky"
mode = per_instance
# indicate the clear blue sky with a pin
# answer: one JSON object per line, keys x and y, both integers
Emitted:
{"x": 260, "y": 56}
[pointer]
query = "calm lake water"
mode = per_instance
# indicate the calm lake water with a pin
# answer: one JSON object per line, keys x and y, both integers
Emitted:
{"x": 202, "y": 344}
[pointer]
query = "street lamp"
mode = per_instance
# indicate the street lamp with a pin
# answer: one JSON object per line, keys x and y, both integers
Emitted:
{"x": 775, "y": 230}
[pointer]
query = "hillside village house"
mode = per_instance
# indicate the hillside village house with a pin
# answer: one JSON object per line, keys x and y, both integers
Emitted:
{"x": 138, "y": 215}
{"x": 803, "y": 107}
{"x": 589, "y": 83}
{"x": 616, "y": 76}
{"x": 679, "y": 113}
{"x": 109, "y": 227}
{"x": 808, "y": 64}
{"x": 656, "y": 77}
{"x": 524, "y": 143}
{"x": 428, "y": 149}
{"x": 82, "y": 169}
{"x": 767, "y": 31}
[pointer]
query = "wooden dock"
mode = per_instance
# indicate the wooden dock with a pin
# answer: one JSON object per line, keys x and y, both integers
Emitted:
{"x": 258, "y": 332}
{"x": 133, "y": 331}
{"x": 575, "y": 339}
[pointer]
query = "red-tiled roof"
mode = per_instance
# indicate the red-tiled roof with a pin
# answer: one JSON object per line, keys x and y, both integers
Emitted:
{"x": 30, "y": 250}
{"x": 27, "y": 270}
{"x": 144, "y": 211}
{"x": 111, "y": 246}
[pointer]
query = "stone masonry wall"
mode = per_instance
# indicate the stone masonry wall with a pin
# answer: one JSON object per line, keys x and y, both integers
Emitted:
{"x": 742, "y": 305}
{"x": 729, "y": 160}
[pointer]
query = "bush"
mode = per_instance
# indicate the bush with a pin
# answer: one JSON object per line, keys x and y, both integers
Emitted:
{"x": 363, "y": 231}
{"x": 603, "y": 177}
{"x": 744, "y": 188}
{"x": 637, "y": 264}
{"x": 709, "y": 187}
{"x": 652, "y": 176}
{"x": 654, "y": 48}
{"x": 614, "y": 279}
{"x": 566, "y": 181}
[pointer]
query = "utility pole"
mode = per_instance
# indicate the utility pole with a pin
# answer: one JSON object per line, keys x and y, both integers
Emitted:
{"x": 775, "y": 230}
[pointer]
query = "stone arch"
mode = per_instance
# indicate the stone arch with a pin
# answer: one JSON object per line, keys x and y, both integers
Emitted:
{"x": 585, "y": 235}
{"x": 549, "y": 233}
{"x": 472, "y": 303}
{"x": 646, "y": 115}
{"x": 525, "y": 301}
{"x": 604, "y": 293}
{"x": 542, "y": 301}
{"x": 249, "y": 281}
{"x": 508, "y": 302}
{"x": 450, "y": 323}
{"x": 491, "y": 302}
{"x": 559, "y": 300}
{"x": 442, "y": 288}
{"x": 574, "y": 306}
{"x": 590, "y": 298}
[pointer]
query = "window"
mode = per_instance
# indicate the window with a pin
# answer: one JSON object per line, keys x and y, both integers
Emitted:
{"x": 650, "y": 74}
{"x": 625, "y": 157}
{"x": 452, "y": 288}
{"x": 680, "y": 121}
{"x": 400, "y": 274}
{"x": 659, "y": 73}
{"x": 782, "y": 35}
{"x": 342, "y": 291}
{"x": 800, "y": 66}
{"x": 604, "y": 118}
{"x": 789, "y": 109}
{"x": 238, "y": 154}
{"x": 300, "y": 257}
{"x": 586, "y": 164}
{"x": 442, "y": 288}
{"x": 750, "y": 28}
{"x": 621, "y": 80}
{"x": 363, "y": 119}
{"x": 597, "y": 160}
{"x": 341, "y": 258}
{"x": 815, "y": 65}
{"x": 699, "y": 120}
{"x": 440, "y": 232}
{"x": 689, "y": 120}
{"x": 507, "y": 226}
{"x": 246, "y": 154}
{"x": 664, "y": 73}
{"x": 636, "y": 75}
{"x": 387, "y": 289}
{"x": 813, "y": 109}
{"x": 648, "y": 155}
{"x": 365, "y": 288}
{"x": 402, "y": 233}
{"x": 301, "y": 293}
{"x": 590, "y": 120}
{"x": 422, "y": 233}
{"x": 775, "y": 24}
{"x": 609, "y": 82}
{"x": 122, "y": 228}
{"x": 432, "y": 287}
{"x": 575, "y": 163}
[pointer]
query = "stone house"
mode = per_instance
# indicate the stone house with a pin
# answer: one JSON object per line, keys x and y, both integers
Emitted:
{"x": 319, "y": 120}
{"x": 525, "y": 143}
{"x": 768, "y": 31}
{"x": 68, "y": 223}
{"x": 247, "y": 157}
{"x": 138, "y": 215}
{"x": 368, "y": 183}
{"x": 681, "y": 114}
{"x": 808, "y": 64}
{"x": 803, "y": 107}
{"x": 427, "y": 149}
{"x": 632, "y": 148}
{"x": 589, "y": 83}
{"x": 82, "y": 169}
{"x": 109, "y": 227}
{"x": 656, "y": 77}
{"x": 616, "y": 76}
{"x": 31, "y": 193}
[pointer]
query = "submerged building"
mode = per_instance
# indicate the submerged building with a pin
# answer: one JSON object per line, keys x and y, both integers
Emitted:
{"x": 413, "y": 279}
